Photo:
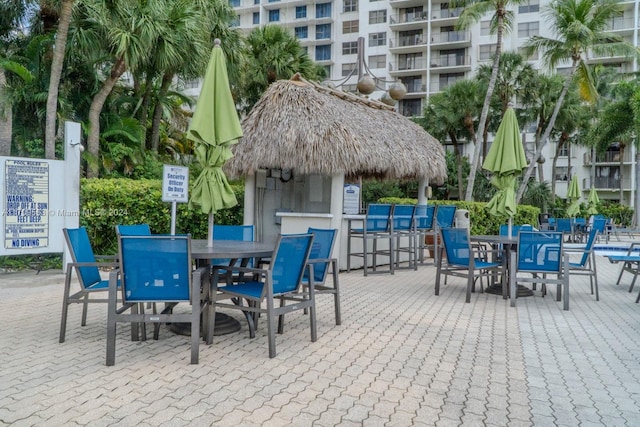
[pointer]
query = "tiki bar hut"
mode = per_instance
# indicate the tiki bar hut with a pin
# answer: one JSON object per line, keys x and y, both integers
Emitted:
{"x": 305, "y": 147}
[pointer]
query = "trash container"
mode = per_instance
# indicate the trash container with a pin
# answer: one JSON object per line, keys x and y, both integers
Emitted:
{"x": 462, "y": 218}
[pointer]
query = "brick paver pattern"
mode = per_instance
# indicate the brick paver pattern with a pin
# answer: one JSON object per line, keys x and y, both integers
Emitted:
{"x": 401, "y": 357}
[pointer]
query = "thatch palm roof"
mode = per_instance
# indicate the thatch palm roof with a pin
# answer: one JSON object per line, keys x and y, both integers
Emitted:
{"x": 312, "y": 129}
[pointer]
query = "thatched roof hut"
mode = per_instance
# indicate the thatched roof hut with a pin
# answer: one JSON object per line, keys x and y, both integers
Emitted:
{"x": 312, "y": 129}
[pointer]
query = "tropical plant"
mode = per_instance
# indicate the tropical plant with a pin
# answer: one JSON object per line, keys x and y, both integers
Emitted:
{"x": 579, "y": 26}
{"x": 501, "y": 19}
{"x": 273, "y": 53}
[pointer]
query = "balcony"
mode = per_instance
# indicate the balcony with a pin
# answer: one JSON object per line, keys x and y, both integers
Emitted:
{"x": 607, "y": 183}
{"x": 612, "y": 157}
{"x": 407, "y": 41}
{"x": 446, "y": 16}
{"x": 415, "y": 87}
{"x": 449, "y": 63}
{"x": 408, "y": 21}
{"x": 408, "y": 66}
{"x": 622, "y": 24}
{"x": 451, "y": 38}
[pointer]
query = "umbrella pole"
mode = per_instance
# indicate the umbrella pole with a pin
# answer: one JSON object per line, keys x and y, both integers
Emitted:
{"x": 210, "y": 231}
{"x": 510, "y": 227}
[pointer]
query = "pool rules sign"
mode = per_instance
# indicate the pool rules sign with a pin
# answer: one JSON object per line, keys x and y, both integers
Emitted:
{"x": 26, "y": 197}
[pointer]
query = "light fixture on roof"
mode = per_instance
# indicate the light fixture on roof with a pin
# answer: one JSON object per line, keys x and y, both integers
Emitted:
{"x": 367, "y": 81}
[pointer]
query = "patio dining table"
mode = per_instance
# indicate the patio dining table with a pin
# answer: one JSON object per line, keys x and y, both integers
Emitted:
{"x": 234, "y": 250}
{"x": 510, "y": 248}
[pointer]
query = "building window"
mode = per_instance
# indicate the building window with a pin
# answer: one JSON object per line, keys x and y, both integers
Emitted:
{"x": 301, "y": 12}
{"x": 256, "y": 18}
{"x": 323, "y": 10}
{"x": 323, "y": 31}
{"x": 274, "y": 15}
{"x": 411, "y": 107}
{"x": 347, "y": 69}
{"x": 377, "y": 39}
{"x": 349, "y": 48}
{"x": 564, "y": 151}
{"x": 448, "y": 79}
{"x": 377, "y": 16}
{"x": 377, "y": 61}
{"x": 234, "y": 3}
{"x": 191, "y": 83}
{"x": 301, "y": 32}
{"x": 485, "y": 28}
{"x": 350, "y": 6}
{"x": 532, "y": 57}
{"x": 349, "y": 27}
{"x": 486, "y": 51}
{"x": 323, "y": 52}
{"x": 562, "y": 173}
{"x": 412, "y": 83}
{"x": 235, "y": 22}
{"x": 530, "y": 7}
{"x": 528, "y": 29}
{"x": 410, "y": 61}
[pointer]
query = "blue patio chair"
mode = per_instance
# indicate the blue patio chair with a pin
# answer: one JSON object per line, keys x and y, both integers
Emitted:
{"x": 445, "y": 217}
{"x": 86, "y": 266}
{"x": 586, "y": 266}
{"x": 377, "y": 225}
{"x": 133, "y": 230}
{"x": 462, "y": 260}
{"x": 404, "y": 228}
{"x": 515, "y": 229}
{"x": 281, "y": 280}
{"x": 143, "y": 282}
{"x": 320, "y": 259}
{"x": 540, "y": 256}
{"x": 424, "y": 219}
{"x": 232, "y": 232}
{"x": 630, "y": 264}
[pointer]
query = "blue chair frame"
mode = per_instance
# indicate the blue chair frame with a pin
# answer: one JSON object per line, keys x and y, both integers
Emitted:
{"x": 630, "y": 263}
{"x": 143, "y": 282}
{"x": 462, "y": 260}
{"x": 586, "y": 266}
{"x": 377, "y": 225}
{"x": 86, "y": 266}
{"x": 424, "y": 219}
{"x": 320, "y": 259}
{"x": 540, "y": 253}
{"x": 133, "y": 229}
{"x": 281, "y": 280}
{"x": 404, "y": 227}
{"x": 232, "y": 232}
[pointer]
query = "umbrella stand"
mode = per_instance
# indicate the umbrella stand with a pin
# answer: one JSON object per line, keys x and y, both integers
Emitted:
{"x": 210, "y": 231}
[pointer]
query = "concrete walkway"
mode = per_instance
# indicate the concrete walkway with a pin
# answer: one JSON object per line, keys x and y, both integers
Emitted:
{"x": 401, "y": 357}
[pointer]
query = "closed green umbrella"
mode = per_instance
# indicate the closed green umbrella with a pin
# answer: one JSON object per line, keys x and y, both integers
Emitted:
{"x": 593, "y": 202}
{"x": 573, "y": 194}
{"x": 214, "y": 128}
{"x": 506, "y": 159}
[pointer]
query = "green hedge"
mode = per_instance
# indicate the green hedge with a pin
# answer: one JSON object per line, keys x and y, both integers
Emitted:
{"x": 104, "y": 203}
{"x": 481, "y": 221}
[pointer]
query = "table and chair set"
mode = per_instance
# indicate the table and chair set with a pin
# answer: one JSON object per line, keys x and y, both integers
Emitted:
{"x": 527, "y": 256}
{"x": 234, "y": 272}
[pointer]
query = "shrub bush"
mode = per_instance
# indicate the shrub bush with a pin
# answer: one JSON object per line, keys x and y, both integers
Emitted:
{"x": 104, "y": 203}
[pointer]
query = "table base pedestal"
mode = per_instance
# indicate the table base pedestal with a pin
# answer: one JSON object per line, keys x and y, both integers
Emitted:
{"x": 522, "y": 291}
{"x": 225, "y": 324}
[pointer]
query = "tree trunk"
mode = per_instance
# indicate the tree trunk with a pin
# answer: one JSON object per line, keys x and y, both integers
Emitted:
{"x": 93, "y": 140}
{"x": 6, "y": 117}
{"x": 636, "y": 214}
{"x": 54, "y": 80}
{"x": 553, "y": 172}
{"x": 157, "y": 112}
{"x": 622, "y": 147}
{"x": 547, "y": 132}
{"x": 456, "y": 151}
{"x": 475, "y": 164}
{"x": 592, "y": 174}
{"x": 144, "y": 108}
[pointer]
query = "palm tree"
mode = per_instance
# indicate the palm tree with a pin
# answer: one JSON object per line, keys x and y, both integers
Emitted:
{"x": 450, "y": 114}
{"x": 54, "y": 80}
{"x": 579, "y": 26}
{"x": 501, "y": 19}
{"x": 120, "y": 35}
{"x": 272, "y": 53}
{"x": 619, "y": 121}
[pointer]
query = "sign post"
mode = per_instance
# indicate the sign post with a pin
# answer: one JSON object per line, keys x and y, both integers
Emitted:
{"x": 175, "y": 189}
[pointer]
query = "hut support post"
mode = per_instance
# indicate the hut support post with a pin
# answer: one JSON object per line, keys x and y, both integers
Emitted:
{"x": 423, "y": 185}
{"x": 249, "y": 199}
{"x": 337, "y": 208}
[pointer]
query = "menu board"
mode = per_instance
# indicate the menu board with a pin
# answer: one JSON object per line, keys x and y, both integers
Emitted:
{"x": 26, "y": 196}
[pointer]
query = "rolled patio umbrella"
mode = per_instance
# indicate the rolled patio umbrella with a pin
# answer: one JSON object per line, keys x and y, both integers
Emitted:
{"x": 593, "y": 202}
{"x": 573, "y": 194}
{"x": 214, "y": 127}
{"x": 506, "y": 159}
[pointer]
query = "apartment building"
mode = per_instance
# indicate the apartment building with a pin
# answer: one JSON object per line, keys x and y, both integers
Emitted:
{"x": 417, "y": 42}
